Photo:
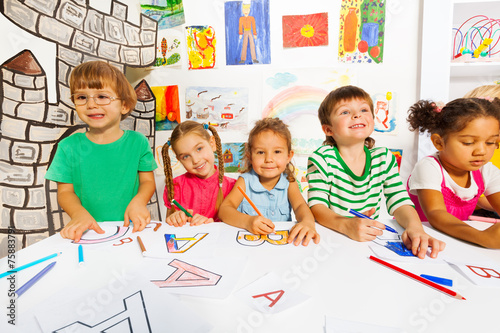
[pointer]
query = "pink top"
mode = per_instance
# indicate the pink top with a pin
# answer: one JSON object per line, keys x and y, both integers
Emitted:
{"x": 199, "y": 194}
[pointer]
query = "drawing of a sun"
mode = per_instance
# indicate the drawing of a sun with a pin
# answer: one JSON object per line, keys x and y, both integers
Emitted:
{"x": 305, "y": 30}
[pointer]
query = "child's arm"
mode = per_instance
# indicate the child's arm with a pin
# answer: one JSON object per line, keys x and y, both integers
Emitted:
{"x": 359, "y": 229}
{"x": 305, "y": 229}
{"x": 81, "y": 220}
{"x": 229, "y": 214}
{"x": 137, "y": 210}
{"x": 432, "y": 204}
{"x": 414, "y": 236}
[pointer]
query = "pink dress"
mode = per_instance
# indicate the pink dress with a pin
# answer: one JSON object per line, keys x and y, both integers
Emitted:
{"x": 199, "y": 194}
{"x": 455, "y": 205}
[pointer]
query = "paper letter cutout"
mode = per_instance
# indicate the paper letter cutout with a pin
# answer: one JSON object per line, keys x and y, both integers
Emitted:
{"x": 181, "y": 245}
{"x": 187, "y": 275}
{"x": 133, "y": 319}
{"x": 120, "y": 232}
{"x": 485, "y": 271}
{"x": 246, "y": 238}
{"x": 273, "y": 301}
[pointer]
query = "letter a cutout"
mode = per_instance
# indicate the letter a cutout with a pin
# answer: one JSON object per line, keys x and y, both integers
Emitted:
{"x": 273, "y": 301}
{"x": 187, "y": 275}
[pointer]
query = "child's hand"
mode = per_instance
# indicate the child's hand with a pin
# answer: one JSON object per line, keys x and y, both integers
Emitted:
{"x": 302, "y": 233}
{"x": 138, "y": 214}
{"x": 178, "y": 218}
{"x": 491, "y": 237}
{"x": 418, "y": 241}
{"x": 363, "y": 230}
{"x": 259, "y": 225}
{"x": 200, "y": 219}
{"x": 78, "y": 225}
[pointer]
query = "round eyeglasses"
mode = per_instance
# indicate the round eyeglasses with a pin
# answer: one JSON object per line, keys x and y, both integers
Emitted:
{"x": 99, "y": 99}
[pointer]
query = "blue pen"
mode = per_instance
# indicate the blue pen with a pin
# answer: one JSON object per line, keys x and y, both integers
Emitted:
{"x": 81, "y": 262}
{"x": 34, "y": 279}
{"x": 358, "y": 214}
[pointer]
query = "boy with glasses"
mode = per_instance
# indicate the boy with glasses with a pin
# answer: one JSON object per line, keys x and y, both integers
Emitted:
{"x": 104, "y": 174}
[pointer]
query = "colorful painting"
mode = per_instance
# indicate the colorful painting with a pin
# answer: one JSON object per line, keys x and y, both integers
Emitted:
{"x": 201, "y": 46}
{"x": 305, "y": 30}
{"x": 384, "y": 110}
{"x": 168, "y": 114}
{"x": 223, "y": 108}
{"x": 168, "y": 48}
{"x": 247, "y": 32}
{"x": 168, "y": 13}
{"x": 233, "y": 154}
{"x": 361, "y": 34}
{"x": 398, "y": 154}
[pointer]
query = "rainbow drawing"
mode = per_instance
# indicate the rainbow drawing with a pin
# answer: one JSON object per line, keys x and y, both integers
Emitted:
{"x": 294, "y": 102}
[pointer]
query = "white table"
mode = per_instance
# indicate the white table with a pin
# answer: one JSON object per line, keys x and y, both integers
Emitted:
{"x": 336, "y": 273}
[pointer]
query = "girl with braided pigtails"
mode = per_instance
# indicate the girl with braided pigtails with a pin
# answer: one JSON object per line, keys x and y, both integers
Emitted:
{"x": 203, "y": 187}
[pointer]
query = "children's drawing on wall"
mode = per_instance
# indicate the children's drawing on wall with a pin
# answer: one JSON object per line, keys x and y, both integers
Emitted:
{"x": 233, "y": 153}
{"x": 384, "y": 109}
{"x": 168, "y": 48}
{"x": 305, "y": 30}
{"x": 398, "y": 154}
{"x": 224, "y": 108}
{"x": 200, "y": 41}
{"x": 31, "y": 126}
{"x": 168, "y": 13}
{"x": 294, "y": 97}
{"x": 477, "y": 39}
{"x": 168, "y": 113}
{"x": 247, "y": 32}
{"x": 361, "y": 33}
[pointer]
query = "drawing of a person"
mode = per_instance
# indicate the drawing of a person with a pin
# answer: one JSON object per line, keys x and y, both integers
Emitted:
{"x": 246, "y": 25}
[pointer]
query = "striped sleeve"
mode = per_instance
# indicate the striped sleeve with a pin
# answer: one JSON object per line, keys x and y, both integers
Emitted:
{"x": 317, "y": 178}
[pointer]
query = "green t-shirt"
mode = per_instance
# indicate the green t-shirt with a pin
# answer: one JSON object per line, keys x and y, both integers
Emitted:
{"x": 104, "y": 177}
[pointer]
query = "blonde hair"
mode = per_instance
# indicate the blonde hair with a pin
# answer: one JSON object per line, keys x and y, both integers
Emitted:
{"x": 346, "y": 93}
{"x": 278, "y": 127}
{"x": 490, "y": 90}
{"x": 183, "y": 129}
{"x": 99, "y": 74}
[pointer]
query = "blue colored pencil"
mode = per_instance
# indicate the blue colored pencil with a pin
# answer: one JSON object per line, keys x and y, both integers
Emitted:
{"x": 81, "y": 262}
{"x": 34, "y": 279}
{"x": 358, "y": 214}
{"x": 12, "y": 271}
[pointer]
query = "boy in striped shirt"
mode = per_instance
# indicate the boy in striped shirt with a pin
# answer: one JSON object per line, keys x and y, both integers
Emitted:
{"x": 347, "y": 172}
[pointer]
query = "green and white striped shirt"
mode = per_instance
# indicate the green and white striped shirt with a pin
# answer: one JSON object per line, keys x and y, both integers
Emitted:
{"x": 333, "y": 184}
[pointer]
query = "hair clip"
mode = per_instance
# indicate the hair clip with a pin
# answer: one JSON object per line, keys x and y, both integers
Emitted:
{"x": 205, "y": 126}
{"x": 168, "y": 143}
{"x": 438, "y": 107}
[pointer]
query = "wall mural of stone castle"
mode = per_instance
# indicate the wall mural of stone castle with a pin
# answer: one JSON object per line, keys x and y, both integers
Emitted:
{"x": 30, "y": 127}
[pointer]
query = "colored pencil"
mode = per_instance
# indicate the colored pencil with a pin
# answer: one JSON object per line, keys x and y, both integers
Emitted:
{"x": 158, "y": 225}
{"x": 141, "y": 244}
{"x": 20, "y": 268}
{"x": 483, "y": 219}
{"x": 249, "y": 201}
{"x": 34, "y": 279}
{"x": 181, "y": 208}
{"x": 363, "y": 216}
{"x": 418, "y": 278}
{"x": 81, "y": 262}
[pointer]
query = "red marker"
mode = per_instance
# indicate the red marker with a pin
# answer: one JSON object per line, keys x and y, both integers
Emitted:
{"x": 418, "y": 278}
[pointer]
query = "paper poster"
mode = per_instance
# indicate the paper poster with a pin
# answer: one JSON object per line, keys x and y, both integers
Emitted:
{"x": 200, "y": 43}
{"x": 361, "y": 33}
{"x": 481, "y": 273}
{"x": 203, "y": 277}
{"x": 171, "y": 242}
{"x": 336, "y": 325}
{"x": 385, "y": 114}
{"x": 270, "y": 294}
{"x": 248, "y": 36}
{"x": 167, "y": 13}
{"x": 305, "y": 30}
{"x": 233, "y": 154}
{"x": 168, "y": 113}
{"x": 136, "y": 307}
{"x": 222, "y": 107}
{"x": 168, "y": 48}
